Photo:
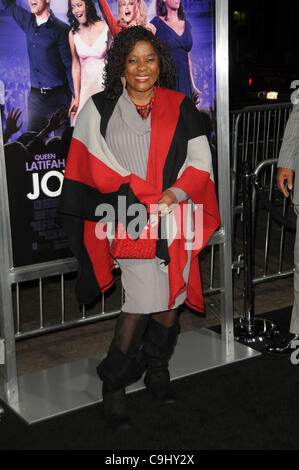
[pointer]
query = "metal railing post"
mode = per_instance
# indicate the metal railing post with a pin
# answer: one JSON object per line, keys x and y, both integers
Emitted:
{"x": 223, "y": 146}
{"x": 248, "y": 328}
{"x": 248, "y": 246}
{"x": 7, "y": 330}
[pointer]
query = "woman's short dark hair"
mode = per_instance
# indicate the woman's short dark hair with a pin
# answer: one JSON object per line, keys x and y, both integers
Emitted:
{"x": 161, "y": 10}
{"x": 91, "y": 15}
{"x": 117, "y": 56}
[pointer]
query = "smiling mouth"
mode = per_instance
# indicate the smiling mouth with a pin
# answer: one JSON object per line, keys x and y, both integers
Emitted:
{"x": 142, "y": 78}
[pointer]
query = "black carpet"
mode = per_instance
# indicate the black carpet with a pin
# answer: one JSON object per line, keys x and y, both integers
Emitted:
{"x": 248, "y": 405}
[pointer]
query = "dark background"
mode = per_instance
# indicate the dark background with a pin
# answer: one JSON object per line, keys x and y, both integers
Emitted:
{"x": 264, "y": 47}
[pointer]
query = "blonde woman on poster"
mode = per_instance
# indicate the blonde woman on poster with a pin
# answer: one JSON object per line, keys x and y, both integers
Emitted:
{"x": 89, "y": 40}
{"x": 130, "y": 13}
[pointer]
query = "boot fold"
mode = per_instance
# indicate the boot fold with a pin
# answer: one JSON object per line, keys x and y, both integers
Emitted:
{"x": 119, "y": 370}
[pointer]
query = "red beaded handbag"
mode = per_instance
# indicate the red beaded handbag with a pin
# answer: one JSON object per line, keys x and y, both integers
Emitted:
{"x": 124, "y": 246}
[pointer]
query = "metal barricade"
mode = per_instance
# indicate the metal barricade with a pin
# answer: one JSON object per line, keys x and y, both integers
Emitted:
{"x": 61, "y": 290}
{"x": 277, "y": 262}
{"x": 256, "y": 137}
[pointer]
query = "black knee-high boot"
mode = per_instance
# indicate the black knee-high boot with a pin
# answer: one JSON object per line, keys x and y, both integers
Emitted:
{"x": 158, "y": 346}
{"x": 122, "y": 366}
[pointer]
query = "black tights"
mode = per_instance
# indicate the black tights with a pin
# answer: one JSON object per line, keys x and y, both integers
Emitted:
{"x": 167, "y": 318}
{"x": 131, "y": 327}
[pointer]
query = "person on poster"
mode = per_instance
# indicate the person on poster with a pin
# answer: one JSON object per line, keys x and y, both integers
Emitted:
{"x": 146, "y": 144}
{"x": 50, "y": 61}
{"x": 288, "y": 164}
{"x": 173, "y": 29}
{"x": 130, "y": 13}
{"x": 89, "y": 40}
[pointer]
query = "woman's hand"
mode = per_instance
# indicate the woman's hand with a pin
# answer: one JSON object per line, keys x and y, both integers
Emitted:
{"x": 74, "y": 107}
{"x": 167, "y": 202}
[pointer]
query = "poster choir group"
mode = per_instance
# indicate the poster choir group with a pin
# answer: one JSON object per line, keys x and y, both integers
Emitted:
{"x": 67, "y": 61}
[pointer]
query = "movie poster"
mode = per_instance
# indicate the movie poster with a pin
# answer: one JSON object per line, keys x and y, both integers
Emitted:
{"x": 36, "y": 150}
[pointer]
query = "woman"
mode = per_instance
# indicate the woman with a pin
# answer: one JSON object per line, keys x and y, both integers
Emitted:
{"x": 89, "y": 40}
{"x": 139, "y": 146}
{"x": 130, "y": 13}
{"x": 174, "y": 31}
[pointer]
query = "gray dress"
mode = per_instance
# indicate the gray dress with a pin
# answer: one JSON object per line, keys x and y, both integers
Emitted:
{"x": 145, "y": 281}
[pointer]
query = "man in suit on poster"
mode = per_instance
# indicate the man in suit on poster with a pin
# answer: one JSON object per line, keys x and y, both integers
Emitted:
{"x": 49, "y": 60}
{"x": 288, "y": 164}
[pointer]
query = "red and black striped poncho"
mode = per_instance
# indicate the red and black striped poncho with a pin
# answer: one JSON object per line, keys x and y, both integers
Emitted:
{"x": 179, "y": 156}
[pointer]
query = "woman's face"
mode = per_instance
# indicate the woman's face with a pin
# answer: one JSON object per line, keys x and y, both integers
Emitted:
{"x": 79, "y": 11}
{"x": 142, "y": 68}
{"x": 128, "y": 10}
{"x": 172, "y": 4}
